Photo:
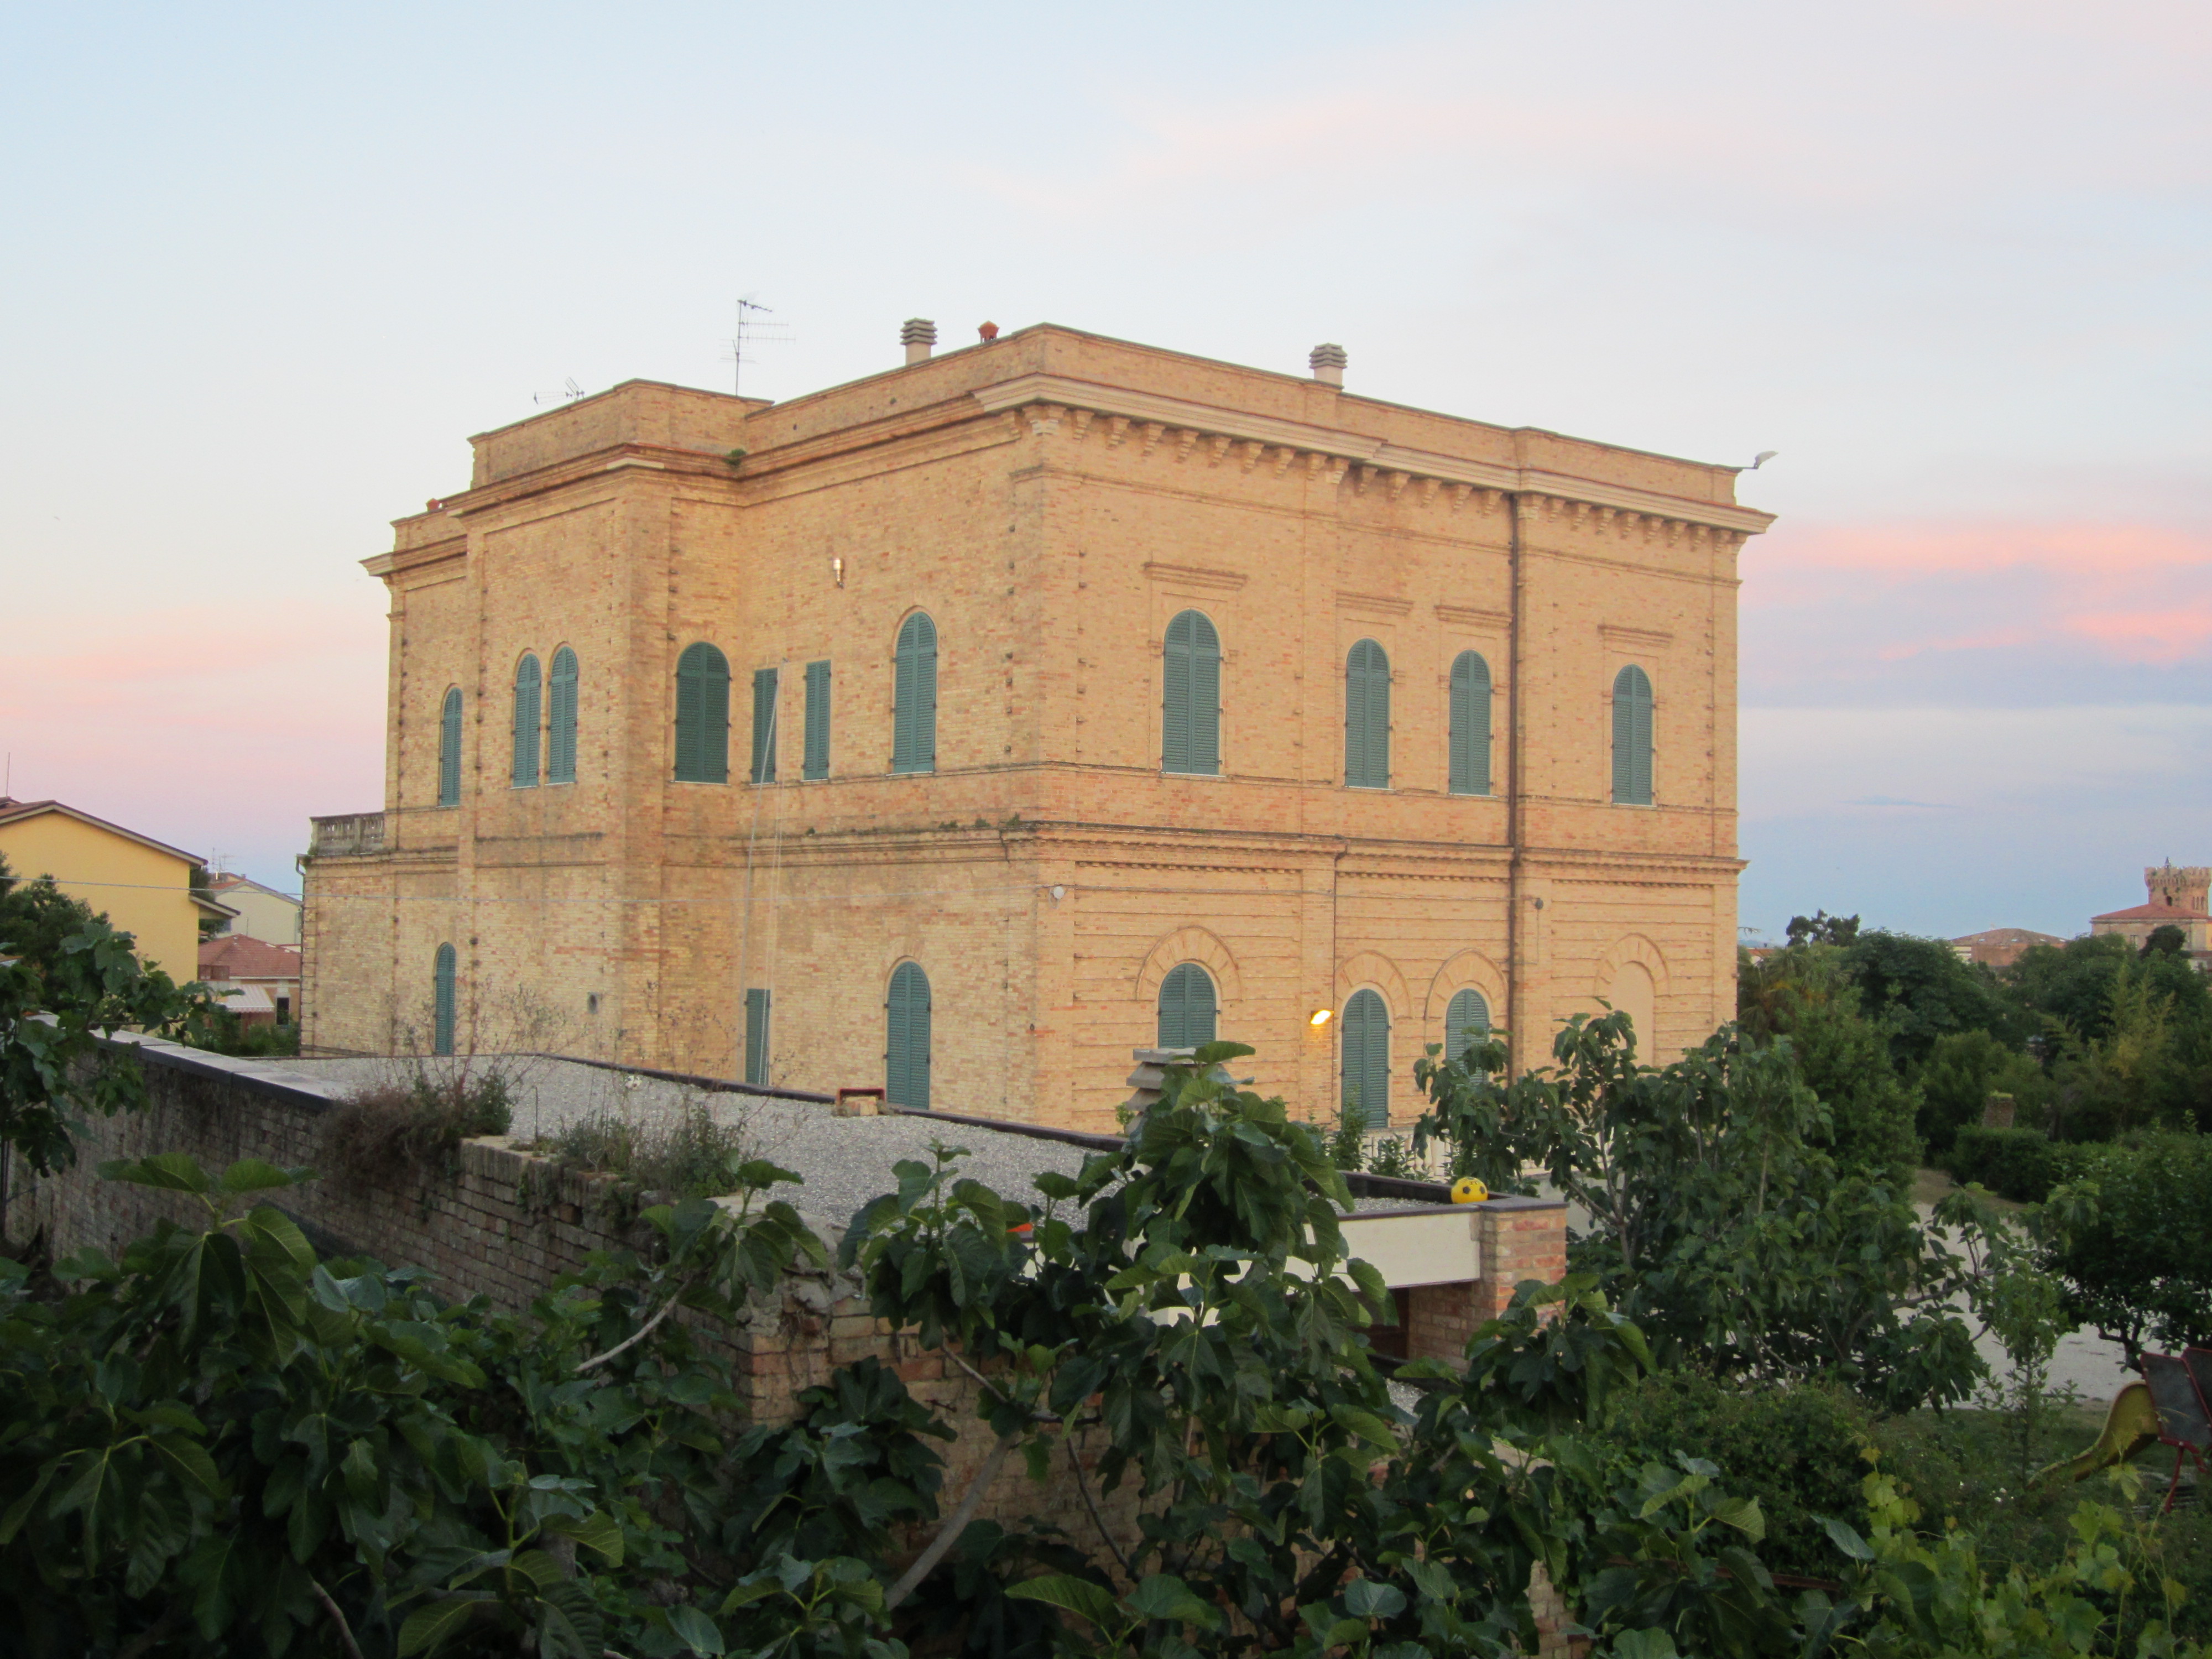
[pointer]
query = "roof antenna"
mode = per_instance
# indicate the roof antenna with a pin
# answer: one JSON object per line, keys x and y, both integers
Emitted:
{"x": 749, "y": 328}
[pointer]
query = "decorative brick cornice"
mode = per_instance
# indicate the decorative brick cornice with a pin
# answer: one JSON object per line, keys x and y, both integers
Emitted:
{"x": 1046, "y": 400}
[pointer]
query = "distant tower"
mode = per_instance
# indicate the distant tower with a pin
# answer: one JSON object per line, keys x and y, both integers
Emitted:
{"x": 2184, "y": 889}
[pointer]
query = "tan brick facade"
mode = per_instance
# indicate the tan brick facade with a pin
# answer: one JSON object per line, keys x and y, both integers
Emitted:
{"x": 1052, "y": 500}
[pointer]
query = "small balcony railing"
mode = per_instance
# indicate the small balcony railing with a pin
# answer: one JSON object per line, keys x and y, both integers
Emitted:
{"x": 352, "y": 835}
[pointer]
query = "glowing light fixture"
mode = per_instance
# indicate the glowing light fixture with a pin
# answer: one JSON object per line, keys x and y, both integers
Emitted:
{"x": 1320, "y": 1016}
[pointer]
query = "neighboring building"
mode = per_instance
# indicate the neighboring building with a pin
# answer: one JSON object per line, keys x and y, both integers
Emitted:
{"x": 255, "y": 979}
{"x": 963, "y": 728}
{"x": 2000, "y": 947}
{"x": 2177, "y": 899}
{"x": 144, "y": 885}
{"x": 262, "y": 912}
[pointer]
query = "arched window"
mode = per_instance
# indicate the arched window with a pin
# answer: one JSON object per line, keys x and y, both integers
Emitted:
{"x": 449, "y": 750}
{"x": 1366, "y": 1043}
{"x": 1470, "y": 725}
{"x": 1367, "y": 717}
{"x": 1186, "y": 1007}
{"x": 913, "y": 704}
{"x": 528, "y": 688}
{"x": 1190, "y": 738}
{"x": 1632, "y": 737}
{"x": 1467, "y": 1020}
{"x": 906, "y": 1050}
{"x": 441, "y": 1002}
{"x": 561, "y": 729}
{"x": 702, "y": 715}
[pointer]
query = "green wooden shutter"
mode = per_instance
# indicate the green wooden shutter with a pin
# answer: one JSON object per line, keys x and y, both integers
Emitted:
{"x": 816, "y": 763}
{"x": 1175, "y": 699}
{"x": 1632, "y": 737}
{"x": 702, "y": 715}
{"x": 763, "y": 769}
{"x": 914, "y": 721}
{"x": 756, "y": 1038}
{"x": 1190, "y": 702}
{"x": 527, "y": 713}
{"x": 449, "y": 750}
{"x": 561, "y": 756}
{"x": 1467, "y": 1020}
{"x": 1470, "y": 725}
{"x": 443, "y": 1002}
{"x": 1367, "y": 717}
{"x": 1366, "y": 1057}
{"x": 906, "y": 1056}
{"x": 1186, "y": 1007}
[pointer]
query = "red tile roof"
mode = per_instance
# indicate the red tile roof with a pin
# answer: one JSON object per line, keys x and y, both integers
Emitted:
{"x": 2002, "y": 936}
{"x": 2151, "y": 913}
{"x": 235, "y": 957}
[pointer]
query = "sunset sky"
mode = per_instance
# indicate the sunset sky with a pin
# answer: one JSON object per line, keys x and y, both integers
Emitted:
{"x": 267, "y": 267}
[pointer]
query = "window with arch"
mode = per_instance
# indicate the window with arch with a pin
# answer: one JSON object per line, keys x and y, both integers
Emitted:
{"x": 1187, "y": 1007}
{"x": 1467, "y": 1021}
{"x": 1632, "y": 737}
{"x": 449, "y": 750}
{"x": 906, "y": 1046}
{"x": 442, "y": 1001}
{"x": 1470, "y": 725}
{"x": 702, "y": 715}
{"x": 914, "y": 696}
{"x": 529, "y": 689}
{"x": 1190, "y": 702}
{"x": 561, "y": 728}
{"x": 1365, "y": 1047}
{"x": 1367, "y": 717}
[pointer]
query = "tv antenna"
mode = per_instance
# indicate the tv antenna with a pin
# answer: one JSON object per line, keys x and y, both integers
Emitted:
{"x": 568, "y": 393}
{"x": 752, "y": 331}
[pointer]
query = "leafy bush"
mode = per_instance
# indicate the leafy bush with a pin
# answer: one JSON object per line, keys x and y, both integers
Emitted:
{"x": 2139, "y": 1266}
{"x": 229, "y": 1034}
{"x": 1963, "y": 1070}
{"x": 395, "y": 1132}
{"x": 690, "y": 1155}
{"x": 2021, "y": 1164}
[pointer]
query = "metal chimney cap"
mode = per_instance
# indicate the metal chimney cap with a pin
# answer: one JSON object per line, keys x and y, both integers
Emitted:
{"x": 1327, "y": 361}
{"x": 918, "y": 331}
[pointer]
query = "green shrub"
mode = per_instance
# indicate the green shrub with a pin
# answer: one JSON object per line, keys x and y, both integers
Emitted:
{"x": 2021, "y": 1164}
{"x": 1797, "y": 1450}
{"x": 689, "y": 1155}
{"x": 395, "y": 1132}
{"x": 2140, "y": 1269}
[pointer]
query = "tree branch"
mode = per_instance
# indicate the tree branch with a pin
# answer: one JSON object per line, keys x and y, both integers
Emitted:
{"x": 926, "y": 1561}
{"x": 346, "y": 1631}
{"x": 1083, "y": 1486}
{"x": 642, "y": 1331}
{"x": 994, "y": 1389}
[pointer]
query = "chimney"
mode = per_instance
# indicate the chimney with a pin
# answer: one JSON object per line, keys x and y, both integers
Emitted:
{"x": 1327, "y": 361}
{"x": 918, "y": 335}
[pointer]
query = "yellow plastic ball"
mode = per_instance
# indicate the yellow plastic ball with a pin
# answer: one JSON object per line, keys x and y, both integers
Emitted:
{"x": 1467, "y": 1190}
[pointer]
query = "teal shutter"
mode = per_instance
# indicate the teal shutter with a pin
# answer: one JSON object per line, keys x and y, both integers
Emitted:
{"x": 906, "y": 1049}
{"x": 1632, "y": 737}
{"x": 763, "y": 725}
{"x": 756, "y": 1038}
{"x": 816, "y": 764}
{"x": 561, "y": 755}
{"x": 449, "y": 750}
{"x": 527, "y": 716}
{"x": 443, "y": 1002}
{"x": 913, "y": 714}
{"x": 1366, "y": 1057}
{"x": 1467, "y": 1020}
{"x": 702, "y": 715}
{"x": 1367, "y": 717}
{"x": 1186, "y": 1007}
{"x": 1470, "y": 725}
{"x": 1190, "y": 703}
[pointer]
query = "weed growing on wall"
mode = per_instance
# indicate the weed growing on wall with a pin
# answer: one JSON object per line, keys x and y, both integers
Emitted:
{"x": 689, "y": 1154}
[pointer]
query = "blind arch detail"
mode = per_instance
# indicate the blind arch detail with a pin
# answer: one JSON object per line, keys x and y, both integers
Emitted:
{"x": 1190, "y": 699}
{"x": 914, "y": 696}
{"x": 561, "y": 724}
{"x": 1632, "y": 737}
{"x": 1367, "y": 717}
{"x": 1187, "y": 1007}
{"x": 1470, "y": 725}
{"x": 702, "y": 715}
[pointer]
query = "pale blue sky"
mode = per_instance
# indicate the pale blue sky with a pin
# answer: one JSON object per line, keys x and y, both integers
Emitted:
{"x": 267, "y": 267}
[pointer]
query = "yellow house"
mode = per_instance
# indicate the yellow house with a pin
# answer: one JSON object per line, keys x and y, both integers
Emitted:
{"x": 144, "y": 885}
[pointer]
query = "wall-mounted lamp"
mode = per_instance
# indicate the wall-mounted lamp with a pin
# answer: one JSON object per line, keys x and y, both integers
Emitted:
{"x": 1058, "y": 894}
{"x": 1320, "y": 1016}
{"x": 837, "y": 569}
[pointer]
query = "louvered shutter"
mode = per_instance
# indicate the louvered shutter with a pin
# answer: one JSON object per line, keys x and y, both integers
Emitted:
{"x": 1470, "y": 725}
{"x": 1367, "y": 717}
{"x": 528, "y": 713}
{"x": 914, "y": 723}
{"x": 816, "y": 763}
{"x": 1187, "y": 1011}
{"x": 702, "y": 715}
{"x": 449, "y": 750}
{"x": 906, "y": 1058}
{"x": 443, "y": 1000}
{"x": 1175, "y": 699}
{"x": 1467, "y": 1020}
{"x": 560, "y": 760}
{"x": 1366, "y": 1059}
{"x": 1204, "y": 698}
{"x": 1632, "y": 737}
{"x": 756, "y": 1006}
{"x": 764, "y": 768}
